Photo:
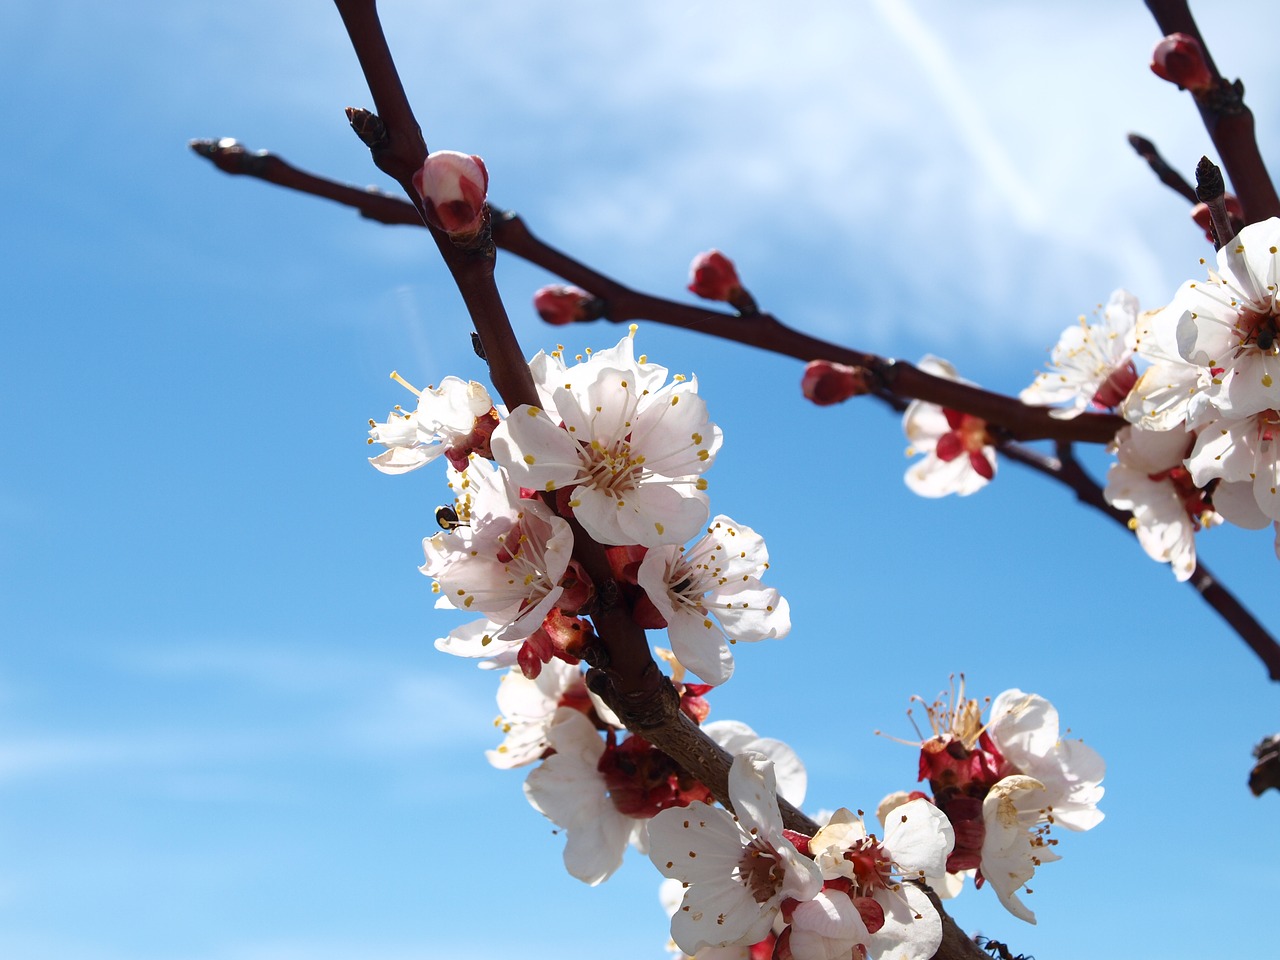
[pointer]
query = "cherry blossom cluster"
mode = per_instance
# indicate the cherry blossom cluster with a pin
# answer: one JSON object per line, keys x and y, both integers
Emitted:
{"x": 1199, "y": 382}
{"x": 750, "y": 885}
{"x": 1214, "y": 384}
{"x": 741, "y": 886}
{"x": 1003, "y": 784}
{"x": 622, "y": 449}
{"x": 602, "y": 786}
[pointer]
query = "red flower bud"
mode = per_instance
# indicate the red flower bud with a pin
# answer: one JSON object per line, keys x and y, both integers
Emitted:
{"x": 453, "y": 187}
{"x": 826, "y": 383}
{"x": 558, "y": 304}
{"x": 712, "y": 276}
{"x": 1179, "y": 58}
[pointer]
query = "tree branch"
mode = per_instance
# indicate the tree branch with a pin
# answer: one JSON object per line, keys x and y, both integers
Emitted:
{"x": 761, "y": 330}
{"x": 1170, "y": 177}
{"x": 512, "y": 234}
{"x": 1226, "y": 118}
{"x": 623, "y": 671}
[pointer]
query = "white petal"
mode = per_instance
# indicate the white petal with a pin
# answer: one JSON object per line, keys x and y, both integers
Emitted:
{"x": 912, "y": 929}
{"x": 1024, "y": 726}
{"x": 920, "y": 838}
{"x": 695, "y": 844}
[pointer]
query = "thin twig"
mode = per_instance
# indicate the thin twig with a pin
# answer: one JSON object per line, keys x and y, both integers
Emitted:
{"x": 1170, "y": 177}
{"x": 1067, "y": 470}
{"x": 1226, "y": 118}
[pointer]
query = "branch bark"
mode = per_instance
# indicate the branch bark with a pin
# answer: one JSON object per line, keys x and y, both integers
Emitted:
{"x": 1226, "y": 118}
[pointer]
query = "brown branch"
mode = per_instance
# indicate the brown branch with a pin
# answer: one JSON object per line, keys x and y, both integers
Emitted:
{"x": 230, "y": 156}
{"x": 766, "y": 332}
{"x": 1226, "y": 118}
{"x": 623, "y": 670}
{"x": 623, "y": 304}
{"x": 1170, "y": 177}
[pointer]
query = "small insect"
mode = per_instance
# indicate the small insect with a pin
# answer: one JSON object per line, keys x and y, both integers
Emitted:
{"x": 1265, "y": 338}
{"x": 447, "y": 518}
{"x": 998, "y": 949}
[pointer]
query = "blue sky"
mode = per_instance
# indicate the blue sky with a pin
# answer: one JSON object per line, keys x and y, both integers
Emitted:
{"x": 224, "y": 733}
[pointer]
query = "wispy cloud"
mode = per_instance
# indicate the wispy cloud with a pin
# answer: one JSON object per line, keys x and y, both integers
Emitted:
{"x": 932, "y": 58}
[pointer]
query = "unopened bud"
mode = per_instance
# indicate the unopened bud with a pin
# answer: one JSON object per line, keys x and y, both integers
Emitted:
{"x": 826, "y": 383}
{"x": 1179, "y": 58}
{"x": 712, "y": 276}
{"x": 558, "y": 304}
{"x": 453, "y": 187}
{"x": 1204, "y": 219}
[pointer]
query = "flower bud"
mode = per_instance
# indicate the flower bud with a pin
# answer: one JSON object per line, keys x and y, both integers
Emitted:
{"x": 826, "y": 383}
{"x": 712, "y": 276}
{"x": 1179, "y": 58}
{"x": 453, "y": 187}
{"x": 558, "y": 304}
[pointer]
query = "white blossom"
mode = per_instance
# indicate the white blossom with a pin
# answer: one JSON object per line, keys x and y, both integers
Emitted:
{"x": 445, "y": 418}
{"x": 737, "y": 869}
{"x": 918, "y": 839}
{"x": 959, "y": 456}
{"x": 506, "y": 563}
{"x": 718, "y": 576}
{"x": 1226, "y": 324}
{"x": 569, "y": 790}
{"x": 528, "y": 709}
{"x": 632, "y": 447}
{"x": 1024, "y": 727}
{"x": 1014, "y": 844}
{"x": 828, "y": 927}
{"x": 736, "y": 737}
{"x": 1149, "y": 480}
{"x": 1092, "y": 363}
{"x": 1245, "y": 456}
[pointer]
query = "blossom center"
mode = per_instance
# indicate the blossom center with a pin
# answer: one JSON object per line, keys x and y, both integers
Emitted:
{"x": 760, "y": 870}
{"x": 872, "y": 865}
{"x": 613, "y": 468}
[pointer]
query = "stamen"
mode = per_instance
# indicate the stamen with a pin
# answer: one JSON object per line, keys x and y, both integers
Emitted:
{"x": 406, "y": 384}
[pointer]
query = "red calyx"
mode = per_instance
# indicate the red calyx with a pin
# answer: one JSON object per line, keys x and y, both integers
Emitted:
{"x": 643, "y": 781}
